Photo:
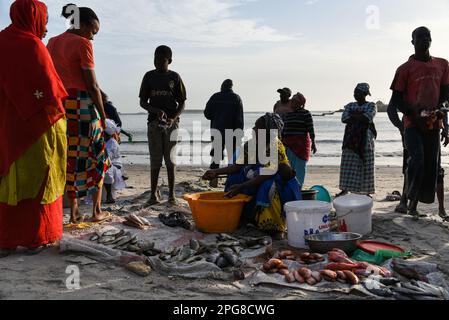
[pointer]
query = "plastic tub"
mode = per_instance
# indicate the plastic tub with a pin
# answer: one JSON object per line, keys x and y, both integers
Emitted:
{"x": 213, "y": 213}
{"x": 323, "y": 194}
{"x": 309, "y": 194}
{"x": 306, "y": 218}
{"x": 356, "y": 212}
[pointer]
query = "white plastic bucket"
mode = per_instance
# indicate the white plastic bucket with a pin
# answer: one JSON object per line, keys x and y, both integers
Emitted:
{"x": 356, "y": 211}
{"x": 306, "y": 218}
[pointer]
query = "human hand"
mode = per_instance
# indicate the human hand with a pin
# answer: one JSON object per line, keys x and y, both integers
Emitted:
{"x": 445, "y": 138}
{"x": 314, "y": 149}
{"x": 210, "y": 175}
{"x": 234, "y": 191}
{"x": 162, "y": 115}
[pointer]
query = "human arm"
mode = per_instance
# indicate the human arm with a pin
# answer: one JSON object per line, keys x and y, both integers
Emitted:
{"x": 144, "y": 103}
{"x": 311, "y": 131}
{"x": 209, "y": 111}
{"x": 213, "y": 174}
{"x": 240, "y": 118}
{"x": 393, "y": 115}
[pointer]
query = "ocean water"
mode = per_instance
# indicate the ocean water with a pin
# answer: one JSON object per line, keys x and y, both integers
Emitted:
{"x": 194, "y": 146}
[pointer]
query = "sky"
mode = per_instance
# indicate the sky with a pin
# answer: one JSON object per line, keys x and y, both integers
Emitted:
{"x": 321, "y": 48}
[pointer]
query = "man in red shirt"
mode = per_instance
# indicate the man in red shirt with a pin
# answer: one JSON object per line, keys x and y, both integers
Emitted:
{"x": 419, "y": 87}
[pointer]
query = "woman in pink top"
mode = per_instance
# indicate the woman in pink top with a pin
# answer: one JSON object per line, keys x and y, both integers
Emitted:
{"x": 87, "y": 161}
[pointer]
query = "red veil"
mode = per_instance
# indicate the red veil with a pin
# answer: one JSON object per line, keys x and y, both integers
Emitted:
{"x": 31, "y": 91}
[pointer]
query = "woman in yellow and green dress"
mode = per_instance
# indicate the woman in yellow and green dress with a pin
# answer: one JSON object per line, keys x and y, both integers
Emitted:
{"x": 271, "y": 181}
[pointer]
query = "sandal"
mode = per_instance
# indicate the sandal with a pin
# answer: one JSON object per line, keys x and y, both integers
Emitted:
{"x": 79, "y": 220}
{"x": 106, "y": 218}
{"x": 175, "y": 219}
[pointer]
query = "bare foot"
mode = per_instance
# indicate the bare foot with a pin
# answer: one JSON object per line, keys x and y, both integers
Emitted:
{"x": 401, "y": 208}
{"x": 173, "y": 201}
{"x": 101, "y": 216}
{"x": 77, "y": 220}
{"x": 155, "y": 199}
{"x": 443, "y": 215}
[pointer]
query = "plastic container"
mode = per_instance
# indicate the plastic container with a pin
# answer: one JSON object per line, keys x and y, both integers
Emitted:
{"x": 323, "y": 194}
{"x": 213, "y": 213}
{"x": 309, "y": 194}
{"x": 356, "y": 212}
{"x": 306, "y": 218}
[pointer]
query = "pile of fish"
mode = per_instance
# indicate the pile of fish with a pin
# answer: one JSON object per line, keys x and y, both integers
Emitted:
{"x": 395, "y": 289}
{"x": 134, "y": 221}
{"x": 117, "y": 239}
{"x": 224, "y": 253}
{"x": 338, "y": 268}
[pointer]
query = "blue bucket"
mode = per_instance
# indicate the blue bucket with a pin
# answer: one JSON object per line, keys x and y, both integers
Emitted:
{"x": 323, "y": 194}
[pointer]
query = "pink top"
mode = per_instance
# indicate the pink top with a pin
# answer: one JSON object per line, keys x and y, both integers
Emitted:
{"x": 71, "y": 55}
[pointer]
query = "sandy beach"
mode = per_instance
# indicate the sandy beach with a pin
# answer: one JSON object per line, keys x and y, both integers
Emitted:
{"x": 43, "y": 276}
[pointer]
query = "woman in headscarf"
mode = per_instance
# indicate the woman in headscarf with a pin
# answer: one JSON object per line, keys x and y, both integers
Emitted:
{"x": 299, "y": 136}
{"x": 270, "y": 181}
{"x": 32, "y": 130}
{"x": 87, "y": 161}
{"x": 357, "y": 162}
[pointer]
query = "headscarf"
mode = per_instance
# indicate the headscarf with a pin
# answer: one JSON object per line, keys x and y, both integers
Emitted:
{"x": 31, "y": 91}
{"x": 273, "y": 121}
{"x": 364, "y": 87}
{"x": 29, "y": 16}
{"x": 300, "y": 99}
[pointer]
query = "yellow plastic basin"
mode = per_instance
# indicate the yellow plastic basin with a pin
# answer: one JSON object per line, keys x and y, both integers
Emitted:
{"x": 213, "y": 213}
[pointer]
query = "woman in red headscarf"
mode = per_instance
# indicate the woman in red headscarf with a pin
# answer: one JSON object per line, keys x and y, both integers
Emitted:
{"x": 299, "y": 136}
{"x": 33, "y": 130}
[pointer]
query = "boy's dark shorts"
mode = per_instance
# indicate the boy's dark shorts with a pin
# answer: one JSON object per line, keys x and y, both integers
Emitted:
{"x": 162, "y": 143}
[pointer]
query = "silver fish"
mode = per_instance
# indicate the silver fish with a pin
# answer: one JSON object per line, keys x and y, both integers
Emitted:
{"x": 111, "y": 233}
{"x": 147, "y": 246}
{"x": 194, "y": 244}
{"x": 124, "y": 241}
{"x": 194, "y": 259}
{"x": 133, "y": 248}
{"x": 107, "y": 239}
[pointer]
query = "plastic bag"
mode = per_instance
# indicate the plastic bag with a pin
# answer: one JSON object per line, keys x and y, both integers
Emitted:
{"x": 380, "y": 257}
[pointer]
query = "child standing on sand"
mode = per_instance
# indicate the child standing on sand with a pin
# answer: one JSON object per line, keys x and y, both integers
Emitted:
{"x": 163, "y": 95}
{"x": 113, "y": 179}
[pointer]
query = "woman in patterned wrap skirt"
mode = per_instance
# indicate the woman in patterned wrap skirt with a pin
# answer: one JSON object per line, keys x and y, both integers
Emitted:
{"x": 357, "y": 174}
{"x": 87, "y": 160}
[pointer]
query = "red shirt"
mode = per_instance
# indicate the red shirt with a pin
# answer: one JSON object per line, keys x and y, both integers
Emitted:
{"x": 71, "y": 55}
{"x": 421, "y": 83}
